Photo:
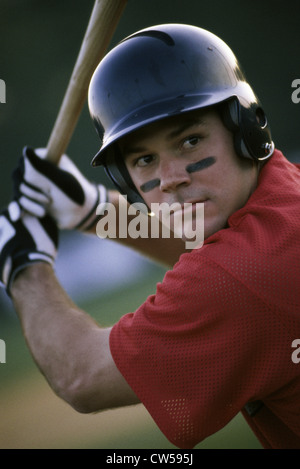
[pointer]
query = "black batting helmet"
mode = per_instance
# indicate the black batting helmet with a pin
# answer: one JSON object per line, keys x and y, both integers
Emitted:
{"x": 164, "y": 71}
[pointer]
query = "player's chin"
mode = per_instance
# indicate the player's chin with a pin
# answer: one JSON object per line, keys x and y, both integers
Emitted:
{"x": 191, "y": 231}
{"x": 213, "y": 224}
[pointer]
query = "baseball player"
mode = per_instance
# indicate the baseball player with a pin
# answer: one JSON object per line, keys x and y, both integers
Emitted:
{"x": 179, "y": 123}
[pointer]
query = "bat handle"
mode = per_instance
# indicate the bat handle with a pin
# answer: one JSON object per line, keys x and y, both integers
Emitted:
{"x": 101, "y": 27}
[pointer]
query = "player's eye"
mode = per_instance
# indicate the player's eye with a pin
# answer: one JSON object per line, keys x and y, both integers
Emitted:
{"x": 191, "y": 142}
{"x": 144, "y": 161}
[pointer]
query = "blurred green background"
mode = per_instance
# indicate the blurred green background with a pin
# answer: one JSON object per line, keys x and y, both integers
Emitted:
{"x": 39, "y": 42}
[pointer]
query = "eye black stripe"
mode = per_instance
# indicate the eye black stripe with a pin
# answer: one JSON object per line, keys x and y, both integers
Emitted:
{"x": 202, "y": 164}
{"x": 191, "y": 168}
{"x": 148, "y": 186}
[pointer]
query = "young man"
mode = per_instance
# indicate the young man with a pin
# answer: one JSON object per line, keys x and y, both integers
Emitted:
{"x": 180, "y": 124}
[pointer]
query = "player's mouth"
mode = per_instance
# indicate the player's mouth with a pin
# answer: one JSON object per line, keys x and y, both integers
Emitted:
{"x": 191, "y": 206}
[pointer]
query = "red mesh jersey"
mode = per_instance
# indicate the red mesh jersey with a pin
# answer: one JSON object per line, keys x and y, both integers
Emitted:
{"x": 217, "y": 335}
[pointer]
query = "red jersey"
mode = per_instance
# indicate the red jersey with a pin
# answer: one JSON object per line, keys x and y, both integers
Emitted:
{"x": 216, "y": 338}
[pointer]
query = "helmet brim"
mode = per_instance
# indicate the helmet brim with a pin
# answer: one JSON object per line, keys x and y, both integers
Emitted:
{"x": 164, "y": 109}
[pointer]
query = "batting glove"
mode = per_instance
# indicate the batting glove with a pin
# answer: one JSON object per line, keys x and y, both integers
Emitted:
{"x": 24, "y": 240}
{"x": 42, "y": 187}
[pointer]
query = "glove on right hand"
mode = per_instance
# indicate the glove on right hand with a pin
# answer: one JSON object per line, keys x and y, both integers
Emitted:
{"x": 24, "y": 240}
{"x": 61, "y": 190}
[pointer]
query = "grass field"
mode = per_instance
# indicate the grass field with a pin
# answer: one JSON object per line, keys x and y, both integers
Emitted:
{"x": 32, "y": 417}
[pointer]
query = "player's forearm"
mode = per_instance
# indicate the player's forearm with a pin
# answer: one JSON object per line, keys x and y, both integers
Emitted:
{"x": 163, "y": 250}
{"x": 59, "y": 335}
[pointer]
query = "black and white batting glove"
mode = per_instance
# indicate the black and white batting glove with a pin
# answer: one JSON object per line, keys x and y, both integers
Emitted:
{"x": 24, "y": 240}
{"x": 61, "y": 191}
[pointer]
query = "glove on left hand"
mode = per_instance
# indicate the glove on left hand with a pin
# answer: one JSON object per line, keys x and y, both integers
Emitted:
{"x": 24, "y": 240}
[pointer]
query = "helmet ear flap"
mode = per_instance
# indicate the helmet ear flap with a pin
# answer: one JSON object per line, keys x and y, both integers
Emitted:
{"x": 116, "y": 170}
{"x": 230, "y": 114}
{"x": 249, "y": 126}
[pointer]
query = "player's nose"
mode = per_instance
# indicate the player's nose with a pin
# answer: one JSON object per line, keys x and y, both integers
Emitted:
{"x": 173, "y": 174}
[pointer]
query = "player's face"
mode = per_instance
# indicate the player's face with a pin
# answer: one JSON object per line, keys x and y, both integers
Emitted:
{"x": 188, "y": 159}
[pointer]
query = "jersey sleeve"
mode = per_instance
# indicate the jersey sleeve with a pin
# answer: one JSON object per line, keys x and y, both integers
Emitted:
{"x": 192, "y": 352}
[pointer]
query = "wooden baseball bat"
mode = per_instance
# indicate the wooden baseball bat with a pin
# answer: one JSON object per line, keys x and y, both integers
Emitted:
{"x": 101, "y": 27}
